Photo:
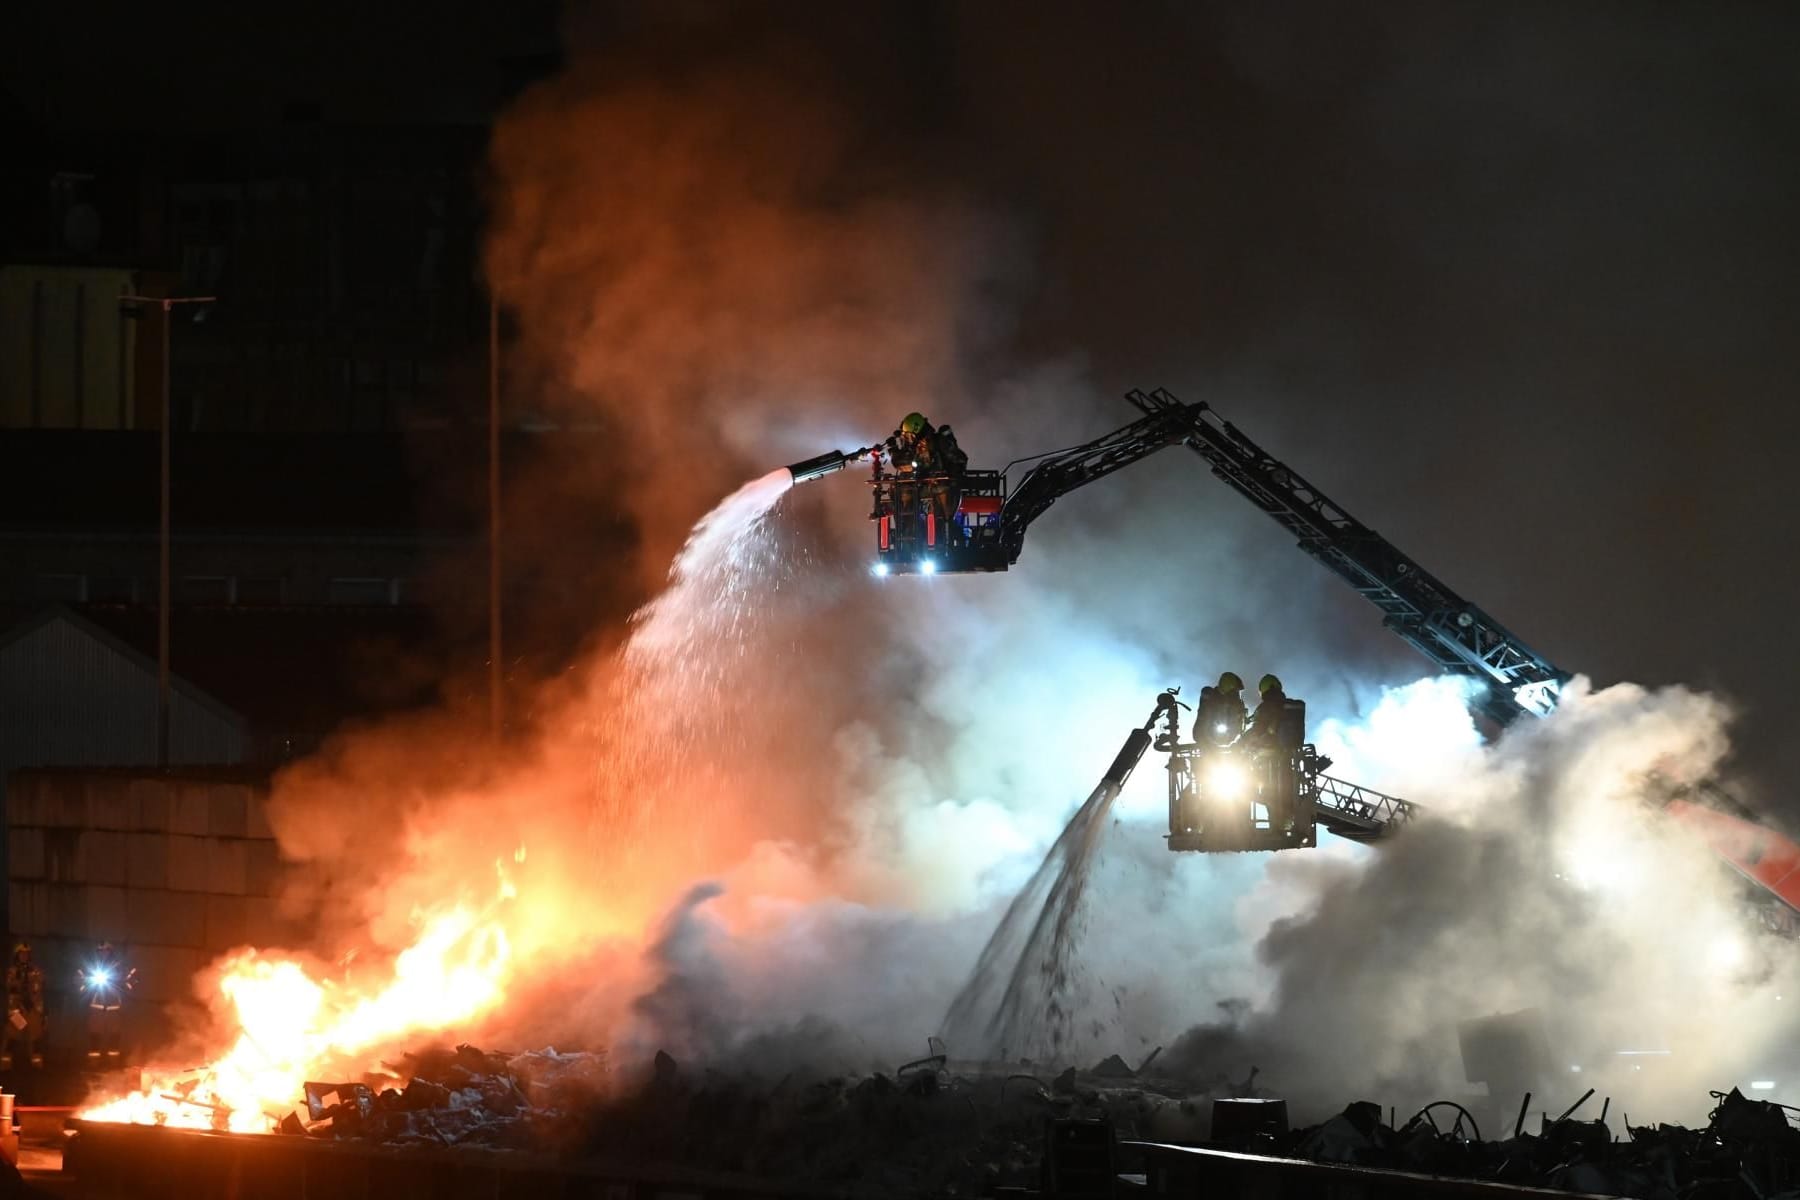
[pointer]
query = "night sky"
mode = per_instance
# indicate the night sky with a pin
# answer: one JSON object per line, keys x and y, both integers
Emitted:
{"x": 1514, "y": 283}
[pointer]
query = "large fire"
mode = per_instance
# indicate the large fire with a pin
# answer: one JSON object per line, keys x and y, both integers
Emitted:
{"x": 292, "y": 1028}
{"x": 286, "y": 1025}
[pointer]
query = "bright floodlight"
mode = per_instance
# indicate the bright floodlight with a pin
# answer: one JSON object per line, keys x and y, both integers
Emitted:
{"x": 1762, "y": 1085}
{"x": 99, "y": 977}
{"x": 1226, "y": 779}
{"x": 879, "y": 570}
{"x": 928, "y": 567}
{"x": 1219, "y": 728}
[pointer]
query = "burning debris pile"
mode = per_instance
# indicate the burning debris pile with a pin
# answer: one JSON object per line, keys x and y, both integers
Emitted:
{"x": 939, "y": 1127}
{"x": 465, "y": 1097}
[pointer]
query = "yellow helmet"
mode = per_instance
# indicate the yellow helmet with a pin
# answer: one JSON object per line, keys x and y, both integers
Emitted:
{"x": 913, "y": 423}
{"x": 1267, "y": 682}
{"x": 1229, "y": 682}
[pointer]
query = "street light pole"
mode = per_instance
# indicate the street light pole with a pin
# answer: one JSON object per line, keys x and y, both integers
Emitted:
{"x": 494, "y": 676}
{"x": 166, "y": 303}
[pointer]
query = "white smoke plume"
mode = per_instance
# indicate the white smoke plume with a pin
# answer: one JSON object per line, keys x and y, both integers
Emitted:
{"x": 1544, "y": 876}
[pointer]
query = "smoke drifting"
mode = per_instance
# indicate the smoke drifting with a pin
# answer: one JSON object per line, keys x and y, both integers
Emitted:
{"x": 713, "y": 266}
{"x": 1542, "y": 877}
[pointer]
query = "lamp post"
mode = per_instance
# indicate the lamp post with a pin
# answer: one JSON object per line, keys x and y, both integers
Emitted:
{"x": 167, "y": 304}
{"x": 494, "y": 675}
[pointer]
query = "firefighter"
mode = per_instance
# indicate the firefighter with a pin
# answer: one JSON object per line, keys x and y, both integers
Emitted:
{"x": 106, "y": 980}
{"x": 24, "y": 1008}
{"x": 1272, "y": 739}
{"x": 1219, "y": 720}
{"x": 917, "y": 450}
{"x": 1265, "y": 725}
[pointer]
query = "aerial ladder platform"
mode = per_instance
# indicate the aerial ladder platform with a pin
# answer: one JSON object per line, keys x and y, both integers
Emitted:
{"x": 985, "y": 531}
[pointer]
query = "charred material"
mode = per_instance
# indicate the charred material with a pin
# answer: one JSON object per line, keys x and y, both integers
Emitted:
{"x": 1747, "y": 1151}
{"x": 938, "y": 1127}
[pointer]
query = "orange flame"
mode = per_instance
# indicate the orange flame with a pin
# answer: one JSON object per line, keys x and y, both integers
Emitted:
{"x": 291, "y": 1028}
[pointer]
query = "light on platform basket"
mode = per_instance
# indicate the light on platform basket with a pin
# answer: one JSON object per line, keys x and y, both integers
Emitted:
{"x": 1727, "y": 953}
{"x": 1226, "y": 779}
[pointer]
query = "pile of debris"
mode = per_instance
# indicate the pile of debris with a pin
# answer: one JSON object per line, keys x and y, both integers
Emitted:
{"x": 930, "y": 1127}
{"x": 1748, "y": 1150}
{"x": 923, "y": 1128}
{"x": 966, "y": 1129}
{"x": 461, "y": 1097}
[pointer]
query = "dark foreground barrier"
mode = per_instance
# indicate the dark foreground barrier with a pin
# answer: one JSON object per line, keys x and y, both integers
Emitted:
{"x": 144, "y": 1162}
{"x": 1179, "y": 1171}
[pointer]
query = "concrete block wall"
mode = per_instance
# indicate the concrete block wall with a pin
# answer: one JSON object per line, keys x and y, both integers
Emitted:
{"x": 176, "y": 868}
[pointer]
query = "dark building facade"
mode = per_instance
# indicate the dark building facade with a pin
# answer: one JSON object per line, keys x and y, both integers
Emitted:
{"x": 345, "y": 261}
{"x": 328, "y": 421}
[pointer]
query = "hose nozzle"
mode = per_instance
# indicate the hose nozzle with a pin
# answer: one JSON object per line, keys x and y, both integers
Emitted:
{"x": 825, "y": 464}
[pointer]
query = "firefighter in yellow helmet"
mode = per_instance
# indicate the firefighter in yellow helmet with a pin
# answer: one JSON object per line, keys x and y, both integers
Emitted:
{"x": 1277, "y": 729}
{"x": 1265, "y": 725}
{"x": 918, "y": 450}
{"x": 1219, "y": 718}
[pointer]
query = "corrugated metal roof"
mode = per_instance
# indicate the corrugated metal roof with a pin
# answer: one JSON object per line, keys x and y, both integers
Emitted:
{"x": 72, "y": 694}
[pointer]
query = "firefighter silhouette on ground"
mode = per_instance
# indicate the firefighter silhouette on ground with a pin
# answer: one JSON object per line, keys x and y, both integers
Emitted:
{"x": 106, "y": 981}
{"x": 24, "y": 1011}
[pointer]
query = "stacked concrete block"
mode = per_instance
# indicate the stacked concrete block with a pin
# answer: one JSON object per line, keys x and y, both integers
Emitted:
{"x": 147, "y": 861}
{"x": 176, "y": 868}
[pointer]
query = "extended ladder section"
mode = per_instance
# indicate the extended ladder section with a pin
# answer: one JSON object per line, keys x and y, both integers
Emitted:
{"x": 1454, "y": 634}
{"x": 1057, "y": 474}
{"x": 1358, "y": 813}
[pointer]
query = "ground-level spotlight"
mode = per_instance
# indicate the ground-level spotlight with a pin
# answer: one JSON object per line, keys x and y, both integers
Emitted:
{"x": 928, "y": 567}
{"x": 879, "y": 570}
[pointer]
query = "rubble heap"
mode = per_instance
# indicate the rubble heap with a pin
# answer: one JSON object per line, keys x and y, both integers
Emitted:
{"x": 462, "y": 1097}
{"x": 1748, "y": 1150}
{"x": 923, "y": 1128}
{"x": 927, "y": 1128}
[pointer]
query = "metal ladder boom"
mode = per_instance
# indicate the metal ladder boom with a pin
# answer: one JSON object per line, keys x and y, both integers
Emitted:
{"x": 1361, "y": 814}
{"x": 1058, "y": 474}
{"x": 1458, "y": 637}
